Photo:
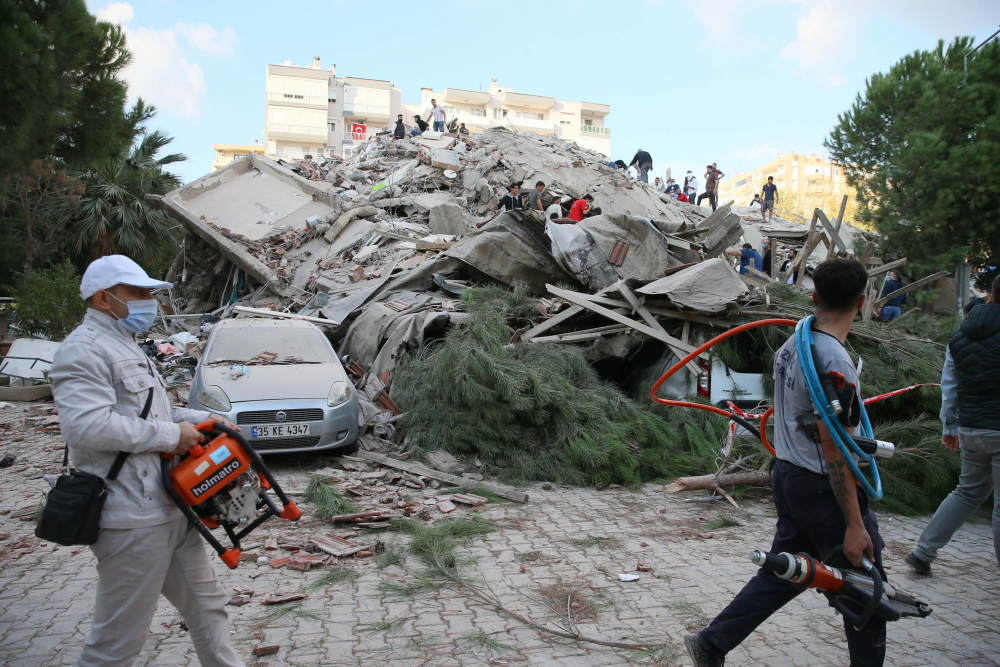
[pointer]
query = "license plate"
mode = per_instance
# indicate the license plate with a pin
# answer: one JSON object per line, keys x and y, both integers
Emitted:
{"x": 279, "y": 431}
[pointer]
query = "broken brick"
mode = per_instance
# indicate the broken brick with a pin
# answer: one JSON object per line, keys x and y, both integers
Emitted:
{"x": 270, "y": 544}
{"x": 265, "y": 650}
{"x": 280, "y": 562}
{"x": 642, "y": 567}
{"x": 446, "y": 506}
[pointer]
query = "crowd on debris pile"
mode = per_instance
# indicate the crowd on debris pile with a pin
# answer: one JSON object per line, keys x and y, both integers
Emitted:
{"x": 381, "y": 245}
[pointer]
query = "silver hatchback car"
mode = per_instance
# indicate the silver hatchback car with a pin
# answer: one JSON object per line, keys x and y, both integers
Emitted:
{"x": 299, "y": 400}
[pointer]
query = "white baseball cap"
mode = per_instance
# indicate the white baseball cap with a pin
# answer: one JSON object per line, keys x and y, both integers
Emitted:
{"x": 114, "y": 270}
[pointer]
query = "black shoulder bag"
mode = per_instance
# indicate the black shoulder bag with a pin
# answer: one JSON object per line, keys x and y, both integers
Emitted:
{"x": 72, "y": 512}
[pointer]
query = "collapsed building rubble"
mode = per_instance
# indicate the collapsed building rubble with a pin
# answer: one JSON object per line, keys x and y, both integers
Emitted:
{"x": 379, "y": 248}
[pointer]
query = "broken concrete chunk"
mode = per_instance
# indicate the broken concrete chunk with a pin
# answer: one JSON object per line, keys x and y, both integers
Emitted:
{"x": 449, "y": 218}
{"x": 442, "y": 460}
{"x": 709, "y": 286}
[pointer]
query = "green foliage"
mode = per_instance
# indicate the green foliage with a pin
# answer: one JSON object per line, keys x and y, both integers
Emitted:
{"x": 528, "y": 412}
{"x": 48, "y": 301}
{"x": 113, "y": 216}
{"x": 60, "y": 93}
{"x": 922, "y": 145}
{"x": 334, "y": 575}
{"x": 484, "y": 646}
{"x": 724, "y": 521}
{"x": 328, "y": 501}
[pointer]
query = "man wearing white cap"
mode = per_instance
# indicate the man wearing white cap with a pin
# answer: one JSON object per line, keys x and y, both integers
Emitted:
{"x": 102, "y": 383}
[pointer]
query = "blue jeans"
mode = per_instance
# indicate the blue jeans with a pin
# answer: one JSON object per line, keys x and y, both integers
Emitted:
{"x": 415, "y": 132}
{"x": 809, "y": 521}
{"x": 889, "y": 313}
{"x": 439, "y": 126}
{"x": 980, "y": 450}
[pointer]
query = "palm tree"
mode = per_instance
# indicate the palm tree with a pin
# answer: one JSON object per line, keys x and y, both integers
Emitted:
{"x": 113, "y": 216}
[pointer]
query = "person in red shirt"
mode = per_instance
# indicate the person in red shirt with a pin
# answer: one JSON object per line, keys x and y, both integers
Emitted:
{"x": 683, "y": 197}
{"x": 581, "y": 207}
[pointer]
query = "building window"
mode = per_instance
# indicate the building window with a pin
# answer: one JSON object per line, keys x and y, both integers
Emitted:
{"x": 496, "y": 114}
{"x": 528, "y": 115}
{"x": 481, "y": 113}
{"x": 332, "y": 100}
{"x": 222, "y": 154}
{"x": 588, "y": 121}
{"x": 333, "y": 127}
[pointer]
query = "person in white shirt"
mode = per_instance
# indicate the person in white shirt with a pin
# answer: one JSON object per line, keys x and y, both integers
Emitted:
{"x": 690, "y": 186}
{"x": 437, "y": 113}
{"x": 555, "y": 208}
{"x": 659, "y": 185}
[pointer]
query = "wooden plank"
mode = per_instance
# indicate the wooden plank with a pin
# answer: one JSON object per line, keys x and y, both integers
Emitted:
{"x": 434, "y": 246}
{"x": 869, "y": 249}
{"x": 912, "y": 286}
{"x": 886, "y": 268}
{"x": 831, "y": 233}
{"x": 679, "y": 348}
{"x": 773, "y": 249}
{"x": 807, "y": 249}
{"x": 840, "y": 220}
{"x": 638, "y": 307}
{"x": 552, "y": 322}
{"x": 661, "y": 312}
{"x": 581, "y": 336}
{"x": 501, "y": 490}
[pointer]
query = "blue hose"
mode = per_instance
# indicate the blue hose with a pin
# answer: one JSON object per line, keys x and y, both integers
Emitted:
{"x": 840, "y": 436}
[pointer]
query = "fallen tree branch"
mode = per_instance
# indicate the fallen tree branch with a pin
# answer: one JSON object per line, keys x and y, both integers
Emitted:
{"x": 715, "y": 483}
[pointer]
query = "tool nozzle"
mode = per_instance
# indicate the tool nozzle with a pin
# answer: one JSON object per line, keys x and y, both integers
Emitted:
{"x": 837, "y": 407}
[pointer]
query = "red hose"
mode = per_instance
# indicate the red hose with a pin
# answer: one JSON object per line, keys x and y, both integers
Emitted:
{"x": 705, "y": 346}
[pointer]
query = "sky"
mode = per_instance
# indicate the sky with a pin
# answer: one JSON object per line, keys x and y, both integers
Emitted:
{"x": 729, "y": 81}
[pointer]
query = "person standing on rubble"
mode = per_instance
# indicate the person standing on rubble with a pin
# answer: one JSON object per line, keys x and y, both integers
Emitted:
{"x": 420, "y": 128}
{"x": 535, "y": 197}
{"x": 659, "y": 185}
{"x": 690, "y": 186}
{"x": 112, "y": 402}
{"x": 439, "y": 116}
{"x": 893, "y": 308}
{"x": 712, "y": 176}
{"x": 770, "y": 192}
{"x": 818, "y": 501}
{"x": 642, "y": 162}
{"x": 767, "y": 257}
{"x": 400, "y": 130}
{"x": 970, "y": 414}
{"x": 512, "y": 199}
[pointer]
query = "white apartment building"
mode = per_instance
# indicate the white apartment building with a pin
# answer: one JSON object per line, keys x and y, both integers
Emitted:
{"x": 310, "y": 111}
{"x": 582, "y": 122}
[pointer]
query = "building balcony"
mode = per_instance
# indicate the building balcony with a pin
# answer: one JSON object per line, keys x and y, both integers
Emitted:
{"x": 530, "y": 124}
{"x": 366, "y": 111}
{"x": 594, "y": 110}
{"x": 470, "y": 120}
{"x": 596, "y": 131}
{"x": 470, "y": 97}
{"x": 316, "y": 134}
{"x": 310, "y": 101}
{"x": 528, "y": 101}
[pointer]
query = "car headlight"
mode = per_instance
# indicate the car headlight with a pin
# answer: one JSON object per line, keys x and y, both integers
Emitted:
{"x": 213, "y": 398}
{"x": 340, "y": 393}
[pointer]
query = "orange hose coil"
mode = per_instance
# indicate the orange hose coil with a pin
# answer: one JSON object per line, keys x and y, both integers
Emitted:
{"x": 705, "y": 346}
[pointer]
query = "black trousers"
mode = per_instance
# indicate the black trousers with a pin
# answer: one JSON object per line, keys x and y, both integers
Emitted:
{"x": 809, "y": 521}
{"x": 711, "y": 198}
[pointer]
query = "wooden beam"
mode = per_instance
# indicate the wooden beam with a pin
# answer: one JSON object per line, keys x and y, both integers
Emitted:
{"x": 840, "y": 221}
{"x": 559, "y": 318}
{"x": 679, "y": 348}
{"x": 912, "y": 286}
{"x": 584, "y": 335}
{"x": 869, "y": 249}
{"x": 831, "y": 233}
{"x": 807, "y": 249}
{"x": 415, "y": 468}
{"x": 649, "y": 319}
{"x": 773, "y": 249}
{"x": 886, "y": 268}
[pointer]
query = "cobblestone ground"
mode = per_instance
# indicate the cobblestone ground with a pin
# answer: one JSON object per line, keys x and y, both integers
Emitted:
{"x": 564, "y": 541}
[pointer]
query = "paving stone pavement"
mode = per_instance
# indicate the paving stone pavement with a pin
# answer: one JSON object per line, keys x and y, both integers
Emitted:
{"x": 563, "y": 541}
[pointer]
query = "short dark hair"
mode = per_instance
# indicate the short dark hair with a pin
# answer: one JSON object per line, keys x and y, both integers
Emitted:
{"x": 996, "y": 289}
{"x": 588, "y": 197}
{"x": 554, "y": 216}
{"x": 540, "y": 183}
{"x": 770, "y": 178}
{"x": 748, "y": 246}
{"x": 514, "y": 185}
{"x": 839, "y": 283}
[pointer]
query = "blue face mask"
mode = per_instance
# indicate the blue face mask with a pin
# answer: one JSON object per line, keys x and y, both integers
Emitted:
{"x": 141, "y": 314}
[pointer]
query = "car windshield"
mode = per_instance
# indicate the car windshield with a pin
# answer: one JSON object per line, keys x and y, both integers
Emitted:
{"x": 269, "y": 345}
